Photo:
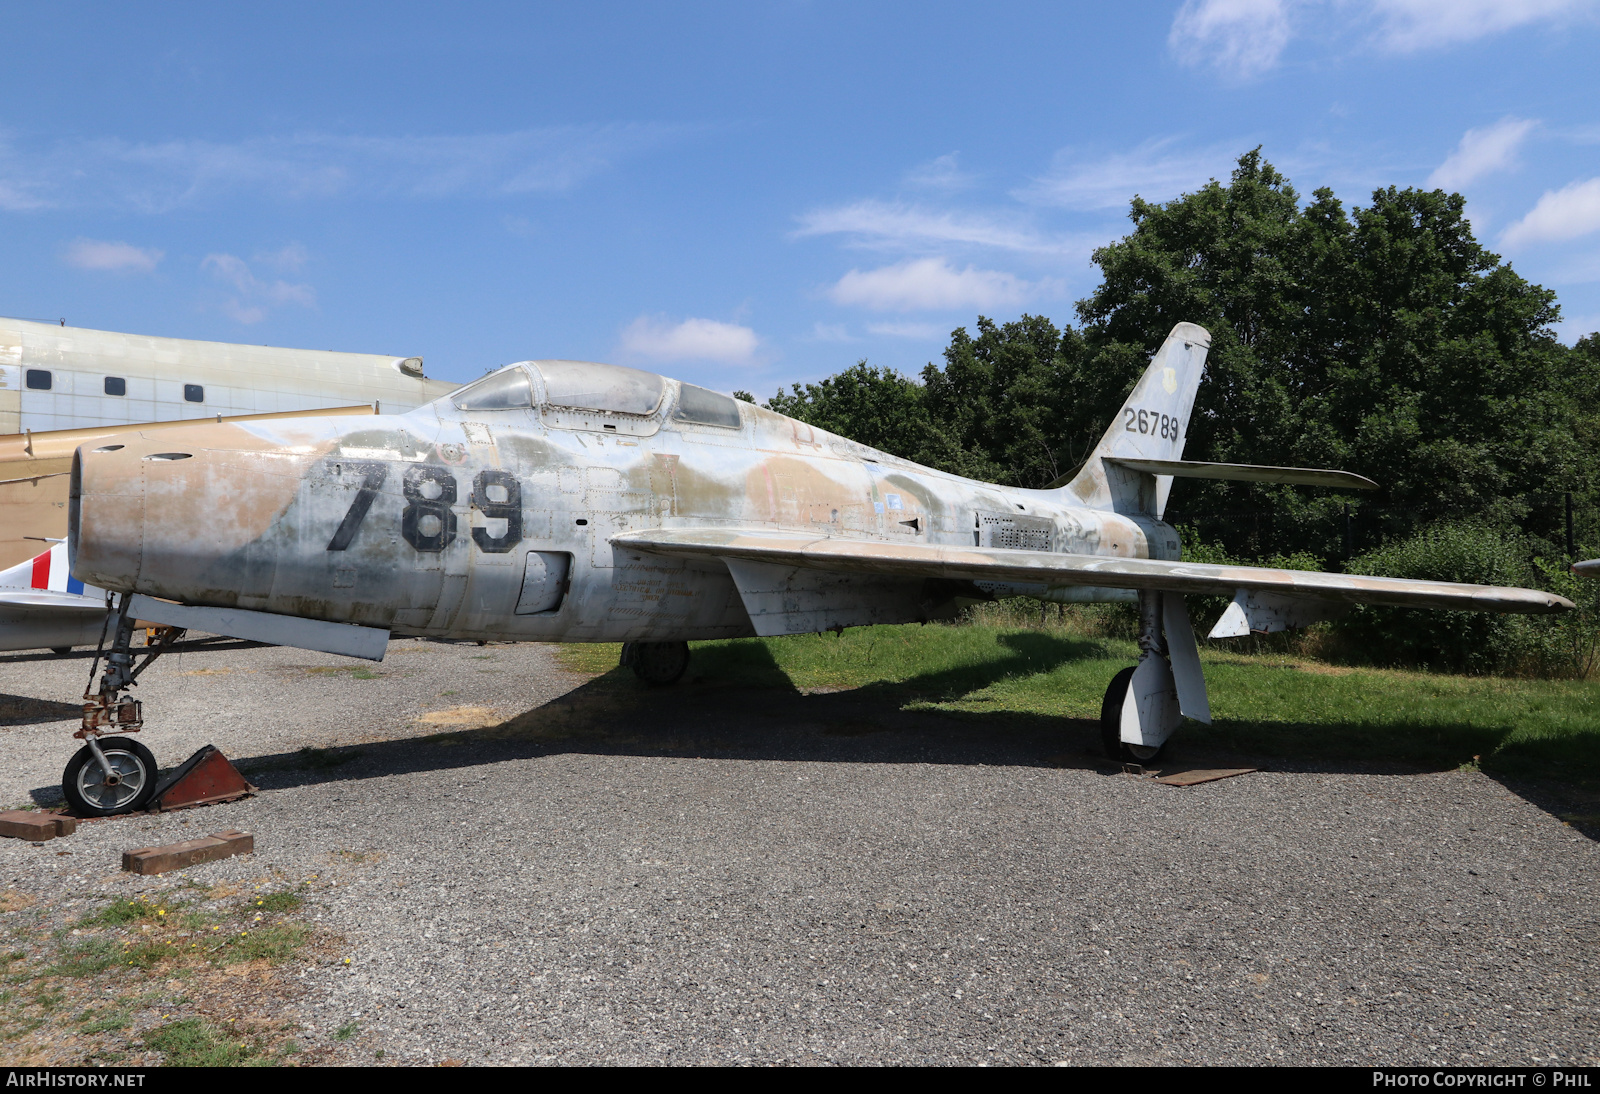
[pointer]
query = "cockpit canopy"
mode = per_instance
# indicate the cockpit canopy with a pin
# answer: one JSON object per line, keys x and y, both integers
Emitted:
{"x": 596, "y": 389}
{"x": 507, "y": 389}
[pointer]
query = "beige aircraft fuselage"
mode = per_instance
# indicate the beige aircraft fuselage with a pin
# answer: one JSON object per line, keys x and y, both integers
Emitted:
{"x": 499, "y": 524}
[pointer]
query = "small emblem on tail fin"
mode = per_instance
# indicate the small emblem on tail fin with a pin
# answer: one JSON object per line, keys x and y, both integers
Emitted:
{"x": 1169, "y": 380}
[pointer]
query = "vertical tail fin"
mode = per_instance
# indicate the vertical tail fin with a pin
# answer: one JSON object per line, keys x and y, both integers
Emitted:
{"x": 1152, "y": 425}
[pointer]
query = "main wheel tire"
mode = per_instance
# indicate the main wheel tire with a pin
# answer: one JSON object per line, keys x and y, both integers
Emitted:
{"x": 658, "y": 663}
{"x": 1111, "y": 724}
{"x": 90, "y": 793}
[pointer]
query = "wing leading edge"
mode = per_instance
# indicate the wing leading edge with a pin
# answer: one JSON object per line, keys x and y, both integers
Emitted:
{"x": 1054, "y": 569}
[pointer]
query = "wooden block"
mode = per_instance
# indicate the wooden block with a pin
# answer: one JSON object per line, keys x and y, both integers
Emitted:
{"x": 191, "y": 852}
{"x": 1190, "y": 778}
{"x": 30, "y": 825}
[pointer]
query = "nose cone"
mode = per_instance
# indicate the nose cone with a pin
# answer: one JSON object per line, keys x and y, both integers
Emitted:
{"x": 172, "y": 512}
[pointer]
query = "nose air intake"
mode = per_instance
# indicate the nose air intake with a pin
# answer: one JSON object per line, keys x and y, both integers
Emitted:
{"x": 74, "y": 505}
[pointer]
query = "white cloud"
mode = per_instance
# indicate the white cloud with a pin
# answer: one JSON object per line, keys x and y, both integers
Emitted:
{"x": 1242, "y": 39}
{"x": 830, "y": 332}
{"x": 97, "y": 254}
{"x": 1481, "y": 151}
{"x": 657, "y": 338}
{"x": 290, "y": 258}
{"x": 157, "y": 177}
{"x": 880, "y": 224}
{"x": 943, "y": 173}
{"x": 1151, "y": 171}
{"x": 922, "y": 332}
{"x": 254, "y": 295}
{"x": 1408, "y": 25}
{"x": 1238, "y": 38}
{"x": 925, "y": 283}
{"x": 1559, "y": 215}
{"x": 1579, "y": 326}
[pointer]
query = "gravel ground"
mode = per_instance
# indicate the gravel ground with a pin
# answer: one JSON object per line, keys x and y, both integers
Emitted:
{"x": 705, "y": 875}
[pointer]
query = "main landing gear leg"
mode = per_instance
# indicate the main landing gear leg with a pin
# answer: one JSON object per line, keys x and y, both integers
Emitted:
{"x": 657, "y": 663}
{"x": 1141, "y": 709}
{"x": 111, "y": 775}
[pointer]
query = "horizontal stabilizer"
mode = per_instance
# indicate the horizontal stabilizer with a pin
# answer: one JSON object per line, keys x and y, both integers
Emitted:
{"x": 1246, "y": 472}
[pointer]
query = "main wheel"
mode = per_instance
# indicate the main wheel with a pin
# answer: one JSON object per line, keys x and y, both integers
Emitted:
{"x": 657, "y": 663}
{"x": 90, "y": 792}
{"x": 1111, "y": 724}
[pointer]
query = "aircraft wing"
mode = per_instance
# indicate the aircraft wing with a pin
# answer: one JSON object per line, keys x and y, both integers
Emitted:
{"x": 913, "y": 560}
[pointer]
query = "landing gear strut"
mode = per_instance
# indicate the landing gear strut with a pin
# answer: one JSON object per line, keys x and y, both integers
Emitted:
{"x": 111, "y": 775}
{"x": 1144, "y": 704}
{"x": 657, "y": 663}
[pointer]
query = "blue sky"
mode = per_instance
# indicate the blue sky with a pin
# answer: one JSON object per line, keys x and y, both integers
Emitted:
{"x": 742, "y": 194}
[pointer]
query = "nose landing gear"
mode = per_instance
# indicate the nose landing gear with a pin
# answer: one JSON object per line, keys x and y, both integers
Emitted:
{"x": 111, "y": 775}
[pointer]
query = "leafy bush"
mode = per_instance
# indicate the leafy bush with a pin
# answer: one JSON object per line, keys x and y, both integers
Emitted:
{"x": 1471, "y": 642}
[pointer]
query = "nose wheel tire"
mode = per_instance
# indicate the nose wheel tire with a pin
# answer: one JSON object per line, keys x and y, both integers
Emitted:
{"x": 1111, "y": 725}
{"x": 657, "y": 663}
{"x": 90, "y": 792}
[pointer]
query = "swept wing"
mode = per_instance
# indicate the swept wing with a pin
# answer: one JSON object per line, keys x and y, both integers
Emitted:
{"x": 996, "y": 564}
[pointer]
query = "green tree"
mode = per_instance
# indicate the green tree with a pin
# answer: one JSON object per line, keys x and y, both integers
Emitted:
{"x": 875, "y": 406}
{"x": 1000, "y": 400}
{"x": 1386, "y": 341}
{"x": 1382, "y": 339}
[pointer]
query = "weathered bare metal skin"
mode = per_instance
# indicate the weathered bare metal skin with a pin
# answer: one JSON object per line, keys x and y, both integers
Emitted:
{"x": 676, "y": 530}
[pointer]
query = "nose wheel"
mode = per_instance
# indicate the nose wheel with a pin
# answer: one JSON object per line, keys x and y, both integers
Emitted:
{"x": 109, "y": 776}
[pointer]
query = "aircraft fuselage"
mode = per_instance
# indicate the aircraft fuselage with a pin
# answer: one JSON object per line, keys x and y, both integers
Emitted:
{"x": 497, "y": 524}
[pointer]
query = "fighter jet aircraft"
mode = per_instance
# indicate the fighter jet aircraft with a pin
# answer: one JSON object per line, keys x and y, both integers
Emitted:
{"x": 577, "y": 502}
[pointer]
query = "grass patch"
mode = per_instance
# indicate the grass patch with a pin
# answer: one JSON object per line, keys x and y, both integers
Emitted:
{"x": 107, "y": 1020}
{"x": 590, "y": 657}
{"x": 86, "y": 958}
{"x": 121, "y": 912}
{"x": 1270, "y": 704}
{"x": 346, "y": 1031}
{"x": 194, "y": 1042}
{"x": 274, "y": 944}
{"x": 283, "y": 900}
{"x": 155, "y": 951}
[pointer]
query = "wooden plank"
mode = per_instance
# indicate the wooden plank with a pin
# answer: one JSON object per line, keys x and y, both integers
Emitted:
{"x": 1191, "y": 778}
{"x": 192, "y": 852}
{"x": 36, "y": 826}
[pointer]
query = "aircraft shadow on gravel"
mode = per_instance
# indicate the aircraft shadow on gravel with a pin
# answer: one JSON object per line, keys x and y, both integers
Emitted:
{"x": 17, "y": 710}
{"x": 737, "y": 703}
